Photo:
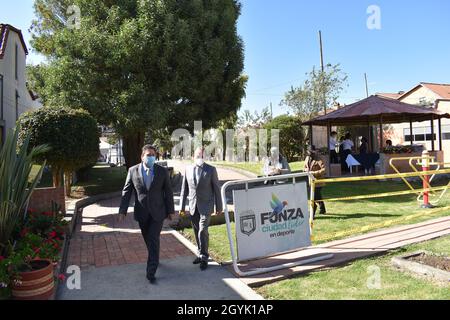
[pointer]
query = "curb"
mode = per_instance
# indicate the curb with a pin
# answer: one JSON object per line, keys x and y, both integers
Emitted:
{"x": 74, "y": 209}
{"x": 235, "y": 283}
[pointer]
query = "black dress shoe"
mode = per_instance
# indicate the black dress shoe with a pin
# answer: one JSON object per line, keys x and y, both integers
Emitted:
{"x": 151, "y": 279}
{"x": 203, "y": 265}
{"x": 197, "y": 261}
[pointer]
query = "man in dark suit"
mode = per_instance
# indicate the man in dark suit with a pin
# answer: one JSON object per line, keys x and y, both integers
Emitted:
{"x": 201, "y": 187}
{"x": 150, "y": 184}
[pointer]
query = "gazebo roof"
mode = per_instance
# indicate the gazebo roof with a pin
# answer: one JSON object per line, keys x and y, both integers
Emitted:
{"x": 376, "y": 109}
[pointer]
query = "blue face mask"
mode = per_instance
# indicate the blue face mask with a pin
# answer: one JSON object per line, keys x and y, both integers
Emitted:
{"x": 149, "y": 161}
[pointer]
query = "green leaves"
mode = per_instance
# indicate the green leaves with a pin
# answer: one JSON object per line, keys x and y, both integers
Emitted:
{"x": 15, "y": 190}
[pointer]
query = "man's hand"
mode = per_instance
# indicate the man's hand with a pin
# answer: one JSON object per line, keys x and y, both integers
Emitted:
{"x": 219, "y": 213}
{"x": 172, "y": 216}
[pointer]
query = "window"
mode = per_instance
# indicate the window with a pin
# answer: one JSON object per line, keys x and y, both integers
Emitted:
{"x": 16, "y": 62}
{"x": 1, "y": 97}
{"x": 17, "y": 105}
{"x": 421, "y": 134}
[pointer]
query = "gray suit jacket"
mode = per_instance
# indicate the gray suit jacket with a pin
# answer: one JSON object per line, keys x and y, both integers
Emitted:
{"x": 157, "y": 202}
{"x": 205, "y": 194}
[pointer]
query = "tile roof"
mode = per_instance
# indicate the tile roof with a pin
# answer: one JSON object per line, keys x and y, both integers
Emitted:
{"x": 4, "y": 33}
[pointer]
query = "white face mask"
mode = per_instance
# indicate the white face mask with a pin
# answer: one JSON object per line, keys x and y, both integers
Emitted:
{"x": 199, "y": 162}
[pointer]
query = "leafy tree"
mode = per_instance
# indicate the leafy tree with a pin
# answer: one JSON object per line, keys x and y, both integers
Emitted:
{"x": 72, "y": 135}
{"x": 140, "y": 65}
{"x": 256, "y": 120}
{"x": 320, "y": 90}
{"x": 292, "y": 135}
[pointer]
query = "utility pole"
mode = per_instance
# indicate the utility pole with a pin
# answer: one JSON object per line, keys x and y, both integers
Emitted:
{"x": 271, "y": 112}
{"x": 367, "y": 87}
{"x": 322, "y": 67}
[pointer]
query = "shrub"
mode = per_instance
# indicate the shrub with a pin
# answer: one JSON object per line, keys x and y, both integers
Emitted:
{"x": 72, "y": 135}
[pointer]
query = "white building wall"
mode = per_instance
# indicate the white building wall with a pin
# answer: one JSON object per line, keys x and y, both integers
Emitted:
{"x": 11, "y": 85}
{"x": 421, "y": 129}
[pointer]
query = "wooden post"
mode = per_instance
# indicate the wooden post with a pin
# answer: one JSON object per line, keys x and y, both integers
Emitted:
{"x": 328, "y": 146}
{"x": 440, "y": 134}
{"x": 381, "y": 135}
{"x": 369, "y": 137}
{"x": 432, "y": 133}
{"x": 311, "y": 135}
{"x": 411, "y": 137}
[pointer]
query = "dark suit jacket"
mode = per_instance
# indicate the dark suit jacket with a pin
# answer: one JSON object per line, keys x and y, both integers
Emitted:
{"x": 157, "y": 202}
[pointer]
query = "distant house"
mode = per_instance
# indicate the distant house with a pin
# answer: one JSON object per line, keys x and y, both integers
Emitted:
{"x": 432, "y": 95}
{"x": 15, "y": 98}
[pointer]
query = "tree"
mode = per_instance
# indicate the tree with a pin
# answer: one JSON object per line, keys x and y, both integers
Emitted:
{"x": 256, "y": 120}
{"x": 320, "y": 90}
{"x": 292, "y": 135}
{"x": 136, "y": 65}
{"x": 72, "y": 135}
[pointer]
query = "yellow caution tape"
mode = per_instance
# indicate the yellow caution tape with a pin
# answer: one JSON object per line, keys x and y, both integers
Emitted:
{"x": 378, "y": 225}
{"x": 384, "y": 176}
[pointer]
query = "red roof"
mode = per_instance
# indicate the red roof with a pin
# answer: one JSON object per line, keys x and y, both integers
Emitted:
{"x": 441, "y": 89}
{"x": 376, "y": 108}
{"x": 4, "y": 33}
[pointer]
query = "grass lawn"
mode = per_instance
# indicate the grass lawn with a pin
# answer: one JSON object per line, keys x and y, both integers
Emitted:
{"x": 346, "y": 215}
{"x": 257, "y": 167}
{"x": 101, "y": 179}
{"x": 350, "y": 282}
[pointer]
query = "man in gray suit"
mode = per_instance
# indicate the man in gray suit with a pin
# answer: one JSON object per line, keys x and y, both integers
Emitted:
{"x": 201, "y": 187}
{"x": 150, "y": 184}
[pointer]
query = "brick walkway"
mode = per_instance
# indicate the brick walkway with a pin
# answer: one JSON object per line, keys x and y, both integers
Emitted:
{"x": 100, "y": 241}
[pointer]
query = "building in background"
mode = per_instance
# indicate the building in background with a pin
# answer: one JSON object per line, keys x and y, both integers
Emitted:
{"x": 432, "y": 95}
{"x": 15, "y": 98}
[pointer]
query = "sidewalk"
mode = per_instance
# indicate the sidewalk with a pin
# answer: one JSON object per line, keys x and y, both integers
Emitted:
{"x": 112, "y": 257}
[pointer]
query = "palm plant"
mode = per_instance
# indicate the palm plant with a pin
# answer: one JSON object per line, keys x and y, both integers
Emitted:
{"x": 16, "y": 162}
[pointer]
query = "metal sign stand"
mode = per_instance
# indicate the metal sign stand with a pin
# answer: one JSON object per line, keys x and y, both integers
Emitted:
{"x": 230, "y": 235}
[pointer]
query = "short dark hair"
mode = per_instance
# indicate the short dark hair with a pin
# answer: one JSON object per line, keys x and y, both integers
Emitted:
{"x": 149, "y": 147}
{"x": 333, "y": 133}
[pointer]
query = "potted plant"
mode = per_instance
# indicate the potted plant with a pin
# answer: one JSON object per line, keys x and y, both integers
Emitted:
{"x": 16, "y": 186}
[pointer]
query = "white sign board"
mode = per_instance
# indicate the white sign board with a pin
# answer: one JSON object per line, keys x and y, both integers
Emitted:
{"x": 271, "y": 220}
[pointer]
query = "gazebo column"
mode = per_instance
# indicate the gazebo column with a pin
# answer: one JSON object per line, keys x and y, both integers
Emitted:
{"x": 440, "y": 134}
{"x": 411, "y": 136}
{"x": 311, "y": 135}
{"x": 370, "y": 137}
{"x": 432, "y": 133}
{"x": 381, "y": 135}
{"x": 328, "y": 146}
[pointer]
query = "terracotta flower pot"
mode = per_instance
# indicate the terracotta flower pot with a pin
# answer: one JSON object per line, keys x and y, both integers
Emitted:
{"x": 37, "y": 284}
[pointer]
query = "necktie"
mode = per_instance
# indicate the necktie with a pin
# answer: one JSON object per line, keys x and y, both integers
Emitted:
{"x": 148, "y": 181}
{"x": 197, "y": 174}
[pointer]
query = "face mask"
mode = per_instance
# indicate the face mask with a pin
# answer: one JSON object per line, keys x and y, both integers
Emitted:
{"x": 149, "y": 161}
{"x": 199, "y": 162}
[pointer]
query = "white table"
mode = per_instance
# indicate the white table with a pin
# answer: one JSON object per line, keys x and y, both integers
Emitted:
{"x": 351, "y": 162}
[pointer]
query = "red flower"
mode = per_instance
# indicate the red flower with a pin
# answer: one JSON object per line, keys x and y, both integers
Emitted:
{"x": 47, "y": 213}
{"x": 52, "y": 235}
{"x": 2, "y": 258}
{"x": 24, "y": 232}
{"x": 37, "y": 250}
{"x": 62, "y": 277}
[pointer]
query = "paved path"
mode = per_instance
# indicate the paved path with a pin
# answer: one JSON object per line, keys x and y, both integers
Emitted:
{"x": 113, "y": 255}
{"x": 347, "y": 250}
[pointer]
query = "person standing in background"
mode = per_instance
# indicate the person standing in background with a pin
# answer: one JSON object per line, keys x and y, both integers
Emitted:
{"x": 316, "y": 167}
{"x": 332, "y": 148}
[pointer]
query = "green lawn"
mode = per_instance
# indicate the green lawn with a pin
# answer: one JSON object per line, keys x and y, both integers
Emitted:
{"x": 350, "y": 282}
{"x": 256, "y": 167}
{"x": 347, "y": 215}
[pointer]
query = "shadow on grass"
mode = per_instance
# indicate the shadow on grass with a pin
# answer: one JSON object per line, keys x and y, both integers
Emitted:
{"x": 355, "y": 216}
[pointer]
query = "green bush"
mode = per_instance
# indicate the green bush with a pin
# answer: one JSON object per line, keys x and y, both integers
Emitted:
{"x": 73, "y": 136}
{"x": 292, "y": 136}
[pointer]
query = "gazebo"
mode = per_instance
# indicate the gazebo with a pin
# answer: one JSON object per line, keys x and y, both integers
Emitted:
{"x": 377, "y": 110}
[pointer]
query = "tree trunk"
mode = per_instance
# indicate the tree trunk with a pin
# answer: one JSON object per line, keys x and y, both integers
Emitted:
{"x": 56, "y": 175}
{"x": 67, "y": 182}
{"x": 132, "y": 148}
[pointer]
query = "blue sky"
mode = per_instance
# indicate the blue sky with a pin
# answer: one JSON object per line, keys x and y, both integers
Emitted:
{"x": 281, "y": 44}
